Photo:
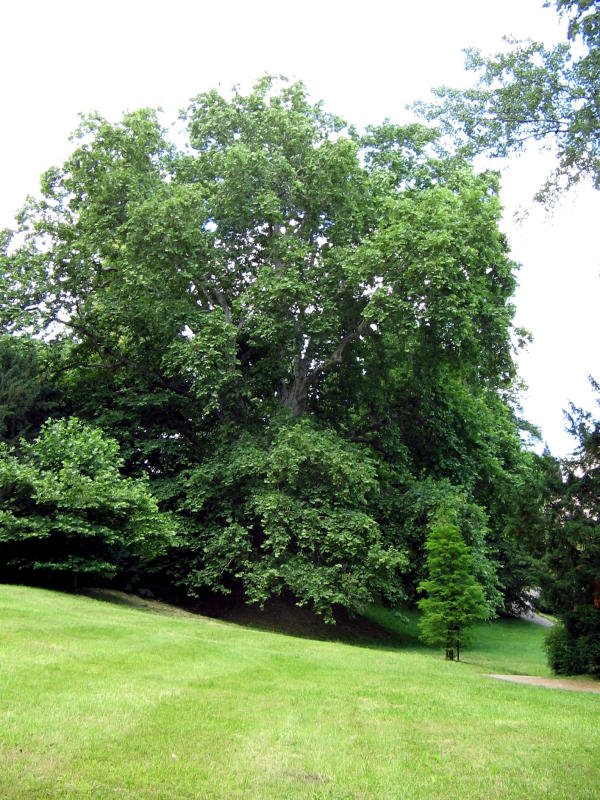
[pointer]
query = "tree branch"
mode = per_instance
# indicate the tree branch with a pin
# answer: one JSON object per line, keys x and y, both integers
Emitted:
{"x": 336, "y": 356}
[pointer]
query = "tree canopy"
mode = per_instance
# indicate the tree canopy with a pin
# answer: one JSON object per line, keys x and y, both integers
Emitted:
{"x": 291, "y": 328}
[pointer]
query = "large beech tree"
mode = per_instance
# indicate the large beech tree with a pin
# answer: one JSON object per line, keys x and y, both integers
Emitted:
{"x": 277, "y": 286}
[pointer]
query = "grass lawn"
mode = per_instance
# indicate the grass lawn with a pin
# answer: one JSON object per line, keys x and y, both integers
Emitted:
{"x": 107, "y": 700}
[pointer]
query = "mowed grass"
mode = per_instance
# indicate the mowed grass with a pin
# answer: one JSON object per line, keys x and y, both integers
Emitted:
{"x": 103, "y": 700}
{"x": 508, "y": 646}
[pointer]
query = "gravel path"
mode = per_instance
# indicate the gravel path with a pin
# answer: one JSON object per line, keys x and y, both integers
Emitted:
{"x": 571, "y": 684}
{"x": 531, "y": 616}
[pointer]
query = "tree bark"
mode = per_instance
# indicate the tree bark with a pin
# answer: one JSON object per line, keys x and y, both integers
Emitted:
{"x": 449, "y": 646}
{"x": 295, "y": 394}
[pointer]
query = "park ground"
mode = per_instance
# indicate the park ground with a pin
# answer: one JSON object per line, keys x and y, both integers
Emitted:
{"x": 109, "y": 696}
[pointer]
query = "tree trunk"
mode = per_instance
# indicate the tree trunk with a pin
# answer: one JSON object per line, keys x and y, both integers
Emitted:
{"x": 294, "y": 396}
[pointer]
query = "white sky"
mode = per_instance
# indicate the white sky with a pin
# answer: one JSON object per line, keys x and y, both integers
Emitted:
{"x": 365, "y": 60}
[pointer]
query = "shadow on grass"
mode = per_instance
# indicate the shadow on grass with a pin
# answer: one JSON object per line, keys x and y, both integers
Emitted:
{"x": 283, "y": 616}
{"x": 377, "y": 628}
{"x": 134, "y": 601}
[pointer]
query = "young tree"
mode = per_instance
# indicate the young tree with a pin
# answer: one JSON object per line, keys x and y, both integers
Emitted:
{"x": 455, "y": 600}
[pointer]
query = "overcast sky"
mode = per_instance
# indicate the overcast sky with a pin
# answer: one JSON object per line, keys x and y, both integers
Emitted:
{"x": 366, "y": 61}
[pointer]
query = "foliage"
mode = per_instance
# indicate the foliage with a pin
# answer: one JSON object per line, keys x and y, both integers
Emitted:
{"x": 533, "y": 93}
{"x": 547, "y": 532}
{"x": 26, "y": 396}
{"x": 455, "y": 599}
{"x": 573, "y": 558}
{"x": 285, "y": 324}
{"x": 420, "y": 506}
{"x": 292, "y": 517}
{"x": 576, "y": 650}
{"x": 66, "y": 510}
{"x": 517, "y": 493}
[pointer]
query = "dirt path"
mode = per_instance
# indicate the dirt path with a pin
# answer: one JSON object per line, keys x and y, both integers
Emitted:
{"x": 531, "y": 616}
{"x": 571, "y": 684}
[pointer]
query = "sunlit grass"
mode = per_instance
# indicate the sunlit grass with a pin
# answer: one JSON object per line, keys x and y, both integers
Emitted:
{"x": 101, "y": 700}
{"x": 506, "y": 645}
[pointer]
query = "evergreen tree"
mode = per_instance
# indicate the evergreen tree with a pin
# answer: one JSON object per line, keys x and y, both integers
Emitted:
{"x": 455, "y": 599}
{"x": 574, "y": 556}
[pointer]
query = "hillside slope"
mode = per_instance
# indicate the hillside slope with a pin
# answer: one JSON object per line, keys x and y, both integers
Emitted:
{"x": 137, "y": 700}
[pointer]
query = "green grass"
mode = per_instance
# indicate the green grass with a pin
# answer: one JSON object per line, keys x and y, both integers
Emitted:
{"x": 504, "y": 646}
{"x": 105, "y": 700}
